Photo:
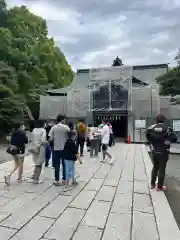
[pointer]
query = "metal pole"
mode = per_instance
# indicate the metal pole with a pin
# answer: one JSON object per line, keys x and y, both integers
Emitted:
{"x": 151, "y": 102}
{"x": 90, "y": 97}
{"x": 110, "y": 106}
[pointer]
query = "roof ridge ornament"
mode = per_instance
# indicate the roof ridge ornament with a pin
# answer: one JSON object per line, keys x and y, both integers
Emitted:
{"x": 117, "y": 62}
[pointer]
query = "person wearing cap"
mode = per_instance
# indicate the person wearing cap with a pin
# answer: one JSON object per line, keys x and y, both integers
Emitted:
{"x": 159, "y": 136}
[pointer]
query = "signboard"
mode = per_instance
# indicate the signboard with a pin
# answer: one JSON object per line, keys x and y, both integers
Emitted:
{"x": 176, "y": 125}
{"x": 110, "y": 73}
{"x": 140, "y": 124}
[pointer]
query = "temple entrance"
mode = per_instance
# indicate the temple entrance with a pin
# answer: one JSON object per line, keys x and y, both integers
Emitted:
{"x": 119, "y": 124}
{"x": 120, "y": 127}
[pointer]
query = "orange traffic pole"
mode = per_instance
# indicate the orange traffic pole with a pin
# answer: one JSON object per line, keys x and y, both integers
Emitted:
{"x": 129, "y": 139}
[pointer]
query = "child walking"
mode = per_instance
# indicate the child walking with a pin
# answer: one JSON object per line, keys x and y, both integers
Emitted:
{"x": 70, "y": 157}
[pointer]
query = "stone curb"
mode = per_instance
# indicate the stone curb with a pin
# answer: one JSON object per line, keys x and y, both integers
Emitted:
{"x": 166, "y": 223}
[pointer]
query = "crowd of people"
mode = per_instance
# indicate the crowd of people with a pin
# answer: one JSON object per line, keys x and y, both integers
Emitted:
{"x": 63, "y": 143}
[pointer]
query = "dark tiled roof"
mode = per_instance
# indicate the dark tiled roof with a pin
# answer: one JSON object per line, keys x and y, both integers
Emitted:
{"x": 153, "y": 66}
{"x": 137, "y": 67}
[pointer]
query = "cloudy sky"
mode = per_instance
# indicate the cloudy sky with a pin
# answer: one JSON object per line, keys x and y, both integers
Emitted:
{"x": 92, "y": 34}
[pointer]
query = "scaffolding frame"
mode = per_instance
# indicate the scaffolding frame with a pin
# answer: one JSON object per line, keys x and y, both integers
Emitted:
{"x": 119, "y": 76}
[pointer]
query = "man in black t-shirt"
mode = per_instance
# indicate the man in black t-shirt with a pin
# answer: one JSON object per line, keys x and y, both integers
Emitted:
{"x": 159, "y": 137}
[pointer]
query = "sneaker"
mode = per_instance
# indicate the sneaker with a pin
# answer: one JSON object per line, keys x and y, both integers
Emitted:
{"x": 21, "y": 179}
{"x": 56, "y": 183}
{"x": 7, "y": 180}
{"x": 163, "y": 188}
{"x": 37, "y": 182}
{"x": 101, "y": 160}
{"x": 111, "y": 161}
{"x": 153, "y": 186}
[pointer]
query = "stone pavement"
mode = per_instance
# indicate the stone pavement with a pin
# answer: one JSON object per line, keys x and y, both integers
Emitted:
{"x": 109, "y": 203}
{"x": 175, "y": 148}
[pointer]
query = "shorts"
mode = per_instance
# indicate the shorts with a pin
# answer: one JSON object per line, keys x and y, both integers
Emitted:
{"x": 18, "y": 157}
{"x": 104, "y": 147}
{"x": 69, "y": 169}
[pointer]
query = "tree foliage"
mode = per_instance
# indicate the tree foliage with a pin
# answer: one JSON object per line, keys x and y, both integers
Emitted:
{"x": 3, "y": 13}
{"x": 30, "y": 63}
{"x": 11, "y": 103}
{"x": 170, "y": 81}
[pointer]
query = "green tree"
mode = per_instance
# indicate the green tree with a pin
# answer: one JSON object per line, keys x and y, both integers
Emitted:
{"x": 30, "y": 63}
{"x": 5, "y": 44}
{"x": 170, "y": 81}
{"x": 38, "y": 62}
{"x": 8, "y": 77}
{"x": 3, "y": 13}
{"x": 35, "y": 56}
{"x": 11, "y": 103}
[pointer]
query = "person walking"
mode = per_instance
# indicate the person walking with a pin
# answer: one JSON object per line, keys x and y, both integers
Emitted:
{"x": 111, "y": 141}
{"x": 81, "y": 136}
{"x": 94, "y": 142}
{"x": 70, "y": 157}
{"x": 17, "y": 150}
{"x": 88, "y": 142}
{"x": 159, "y": 136}
{"x": 39, "y": 142}
{"x": 48, "y": 149}
{"x": 105, "y": 137}
{"x": 71, "y": 126}
{"x": 58, "y": 135}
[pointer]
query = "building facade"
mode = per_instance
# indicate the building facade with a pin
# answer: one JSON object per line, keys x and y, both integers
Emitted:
{"x": 128, "y": 97}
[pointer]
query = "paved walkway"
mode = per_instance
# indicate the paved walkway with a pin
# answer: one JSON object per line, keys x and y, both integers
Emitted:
{"x": 109, "y": 203}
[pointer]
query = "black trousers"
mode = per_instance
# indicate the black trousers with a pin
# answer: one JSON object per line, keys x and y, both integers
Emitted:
{"x": 57, "y": 160}
{"x": 94, "y": 149}
{"x": 159, "y": 160}
{"x": 88, "y": 143}
{"x": 100, "y": 145}
{"x": 80, "y": 143}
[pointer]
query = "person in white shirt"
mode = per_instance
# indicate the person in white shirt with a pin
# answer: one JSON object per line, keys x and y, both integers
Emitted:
{"x": 94, "y": 140}
{"x": 105, "y": 137}
{"x": 38, "y": 152}
{"x": 58, "y": 134}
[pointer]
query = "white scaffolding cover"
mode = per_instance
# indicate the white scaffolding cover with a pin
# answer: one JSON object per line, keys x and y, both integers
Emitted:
{"x": 145, "y": 102}
{"x": 79, "y": 95}
{"x": 110, "y": 88}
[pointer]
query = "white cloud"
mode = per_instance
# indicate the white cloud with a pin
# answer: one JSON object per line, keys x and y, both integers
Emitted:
{"x": 65, "y": 40}
{"x": 92, "y": 34}
{"x": 156, "y": 51}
